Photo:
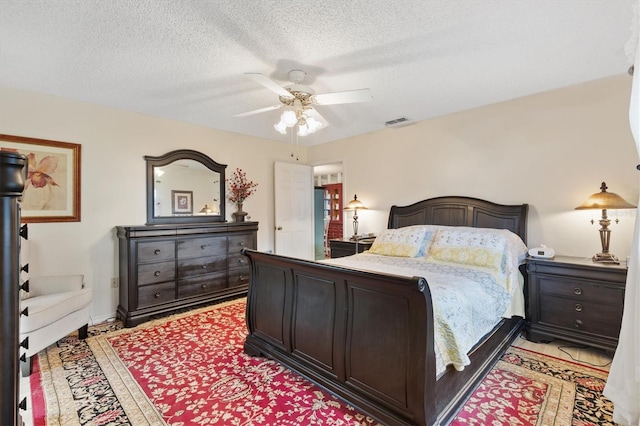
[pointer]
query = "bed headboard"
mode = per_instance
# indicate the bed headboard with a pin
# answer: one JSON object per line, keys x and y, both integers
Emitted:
{"x": 461, "y": 211}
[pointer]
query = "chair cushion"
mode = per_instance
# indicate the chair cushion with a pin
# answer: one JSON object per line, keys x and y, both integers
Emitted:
{"x": 44, "y": 310}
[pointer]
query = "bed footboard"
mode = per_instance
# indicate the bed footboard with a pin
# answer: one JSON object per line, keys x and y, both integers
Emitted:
{"x": 366, "y": 337}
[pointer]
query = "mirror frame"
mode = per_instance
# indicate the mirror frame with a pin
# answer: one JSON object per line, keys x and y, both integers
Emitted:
{"x": 168, "y": 158}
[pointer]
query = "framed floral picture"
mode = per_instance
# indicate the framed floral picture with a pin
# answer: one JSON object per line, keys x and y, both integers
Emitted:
{"x": 52, "y": 183}
{"x": 181, "y": 202}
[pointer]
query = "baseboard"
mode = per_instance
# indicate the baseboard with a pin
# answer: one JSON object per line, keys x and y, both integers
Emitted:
{"x": 102, "y": 318}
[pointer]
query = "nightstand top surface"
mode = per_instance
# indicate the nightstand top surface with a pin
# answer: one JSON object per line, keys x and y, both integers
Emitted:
{"x": 349, "y": 240}
{"x": 579, "y": 261}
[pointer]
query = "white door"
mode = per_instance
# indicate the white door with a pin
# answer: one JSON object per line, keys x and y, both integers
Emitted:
{"x": 294, "y": 210}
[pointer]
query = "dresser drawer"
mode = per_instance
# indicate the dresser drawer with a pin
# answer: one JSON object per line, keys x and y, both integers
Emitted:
{"x": 240, "y": 241}
{"x": 201, "y": 266}
{"x": 237, "y": 261}
{"x": 239, "y": 277}
{"x": 156, "y": 272}
{"x": 581, "y": 290}
{"x": 156, "y": 251}
{"x": 580, "y": 315}
{"x": 150, "y": 295}
{"x": 201, "y": 285}
{"x": 198, "y": 247}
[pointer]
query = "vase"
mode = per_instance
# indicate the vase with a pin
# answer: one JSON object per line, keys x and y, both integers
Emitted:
{"x": 239, "y": 215}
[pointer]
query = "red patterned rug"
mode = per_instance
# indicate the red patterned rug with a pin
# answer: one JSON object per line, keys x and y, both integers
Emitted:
{"x": 529, "y": 388}
{"x": 189, "y": 369}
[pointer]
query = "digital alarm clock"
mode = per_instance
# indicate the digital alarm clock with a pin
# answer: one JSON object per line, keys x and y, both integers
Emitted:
{"x": 543, "y": 252}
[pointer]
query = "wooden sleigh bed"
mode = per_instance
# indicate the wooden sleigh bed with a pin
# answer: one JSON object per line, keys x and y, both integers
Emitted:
{"x": 368, "y": 337}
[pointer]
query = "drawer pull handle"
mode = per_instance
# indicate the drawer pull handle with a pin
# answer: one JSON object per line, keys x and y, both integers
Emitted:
{"x": 578, "y": 307}
{"x": 242, "y": 261}
{"x": 578, "y": 324}
{"x": 204, "y": 246}
{"x": 204, "y": 285}
{"x": 156, "y": 251}
{"x": 204, "y": 266}
{"x": 577, "y": 291}
{"x": 242, "y": 243}
{"x": 157, "y": 295}
{"x": 156, "y": 273}
{"x": 242, "y": 278}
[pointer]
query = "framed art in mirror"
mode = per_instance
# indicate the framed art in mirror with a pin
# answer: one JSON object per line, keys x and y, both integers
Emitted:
{"x": 184, "y": 186}
{"x": 52, "y": 181}
{"x": 182, "y": 202}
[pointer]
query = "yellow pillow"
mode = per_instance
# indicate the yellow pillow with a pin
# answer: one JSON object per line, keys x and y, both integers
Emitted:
{"x": 402, "y": 242}
{"x": 474, "y": 247}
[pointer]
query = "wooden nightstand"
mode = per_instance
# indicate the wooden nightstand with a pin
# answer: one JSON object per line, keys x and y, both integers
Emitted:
{"x": 342, "y": 248}
{"x": 575, "y": 299}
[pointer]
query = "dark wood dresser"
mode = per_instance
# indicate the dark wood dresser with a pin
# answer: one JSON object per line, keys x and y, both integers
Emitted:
{"x": 166, "y": 267}
{"x": 342, "y": 248}
{"x": 576, "y": 300}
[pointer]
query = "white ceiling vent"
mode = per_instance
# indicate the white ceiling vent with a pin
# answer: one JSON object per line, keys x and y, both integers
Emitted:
{"x": 397, "y": 122}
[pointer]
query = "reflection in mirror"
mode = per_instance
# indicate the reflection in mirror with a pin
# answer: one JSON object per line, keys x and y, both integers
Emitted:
{"x": 189, "y": 182}
{"x": 184, "y": 186}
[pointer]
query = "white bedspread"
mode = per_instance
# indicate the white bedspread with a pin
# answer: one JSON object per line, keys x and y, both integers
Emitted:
{"x": 467, "y": 302}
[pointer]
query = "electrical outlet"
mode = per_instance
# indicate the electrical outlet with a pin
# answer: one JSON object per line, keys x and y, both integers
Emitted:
{"x": 115, "y": 283}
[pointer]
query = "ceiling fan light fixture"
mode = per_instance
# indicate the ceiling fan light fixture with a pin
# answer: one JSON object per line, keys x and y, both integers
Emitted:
{"x": 297, "y": 101}
{"x": 289, "y": 118}
{"x": 281, "y": 127}
{"x": 308, "y": 125}
{"x": 313, "y": 124}
{"x": 303, "y": 130}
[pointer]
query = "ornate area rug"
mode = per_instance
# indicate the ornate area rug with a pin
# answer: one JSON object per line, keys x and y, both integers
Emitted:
{"x": 529, "y": 388}
{"x": 189, "y": 369}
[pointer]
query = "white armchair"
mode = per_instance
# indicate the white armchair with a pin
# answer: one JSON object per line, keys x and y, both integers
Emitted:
{"x": 57, "y": 306}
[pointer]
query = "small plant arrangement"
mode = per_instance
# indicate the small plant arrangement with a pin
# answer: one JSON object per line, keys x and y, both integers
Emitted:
{"x": 240, "y": 188}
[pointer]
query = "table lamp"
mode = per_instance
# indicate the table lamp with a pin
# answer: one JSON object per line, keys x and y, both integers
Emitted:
{"x": 355, "y": 205}
{"x": 605, "y": 200}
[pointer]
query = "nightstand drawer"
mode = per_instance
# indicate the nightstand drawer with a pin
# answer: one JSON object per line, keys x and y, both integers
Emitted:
{"x": 581, "y": 290}
{"x": 582, "y": 316}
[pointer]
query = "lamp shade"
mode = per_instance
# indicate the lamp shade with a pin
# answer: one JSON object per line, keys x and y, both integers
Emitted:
{"x": 355, "y": 204}
{"x": 605, "y": 200}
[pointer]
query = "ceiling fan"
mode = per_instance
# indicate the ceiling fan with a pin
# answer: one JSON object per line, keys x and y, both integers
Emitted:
{"x": 299, "y": 100}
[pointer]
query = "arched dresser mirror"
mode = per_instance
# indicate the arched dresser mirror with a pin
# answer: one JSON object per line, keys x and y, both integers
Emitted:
{"x": 184, "y": 186}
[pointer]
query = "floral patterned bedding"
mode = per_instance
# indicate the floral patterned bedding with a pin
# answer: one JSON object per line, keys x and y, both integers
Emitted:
{"x": 467, "y": 301}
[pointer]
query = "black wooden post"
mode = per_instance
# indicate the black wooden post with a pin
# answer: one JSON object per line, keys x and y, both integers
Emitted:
{"x": 13, "y": 168}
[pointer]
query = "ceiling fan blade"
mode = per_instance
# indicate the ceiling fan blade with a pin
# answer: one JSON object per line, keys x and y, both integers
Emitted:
{"x": 269, "y": 84}
{"x": 350, "y": 96}
{"x": 258, "y": 111}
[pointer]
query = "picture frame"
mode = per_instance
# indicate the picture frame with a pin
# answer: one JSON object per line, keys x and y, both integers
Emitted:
{"x": 52, "y": 180}
{"x": 181, "y": 202}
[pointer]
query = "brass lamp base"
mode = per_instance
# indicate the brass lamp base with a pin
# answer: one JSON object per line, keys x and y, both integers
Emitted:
{"x": 606, "y": 258}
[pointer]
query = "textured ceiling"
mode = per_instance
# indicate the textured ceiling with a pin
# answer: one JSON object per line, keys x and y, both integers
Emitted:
{"x": 186, "y": 59}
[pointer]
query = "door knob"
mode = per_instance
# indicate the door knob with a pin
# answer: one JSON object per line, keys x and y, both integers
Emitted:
{"x": 279, "y": 228}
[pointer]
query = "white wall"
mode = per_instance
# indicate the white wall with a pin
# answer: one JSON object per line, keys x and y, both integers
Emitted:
{"x": 113, "y": 179}
{"x": 551, "y": 150}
